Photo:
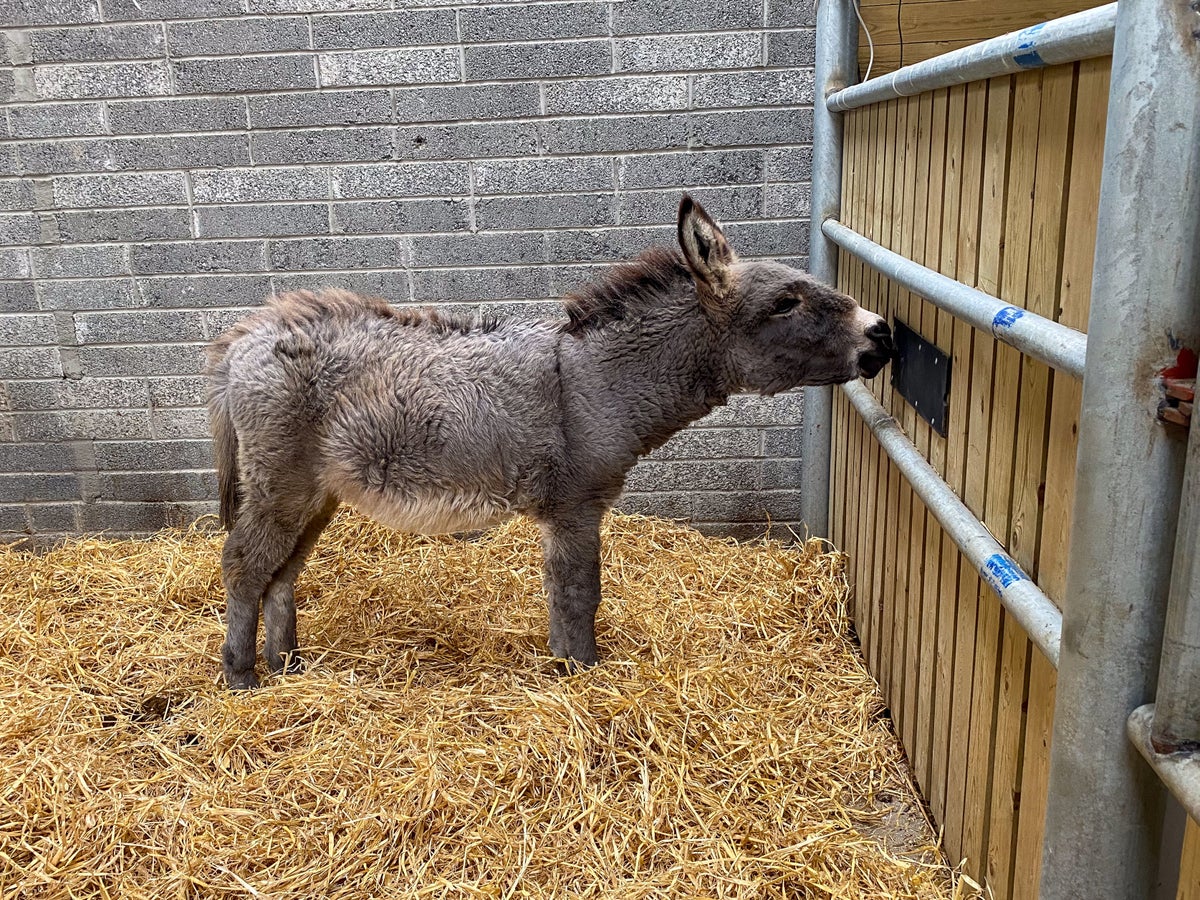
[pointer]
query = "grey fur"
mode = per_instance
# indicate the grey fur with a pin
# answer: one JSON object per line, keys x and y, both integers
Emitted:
{"x": 432, "y": 424}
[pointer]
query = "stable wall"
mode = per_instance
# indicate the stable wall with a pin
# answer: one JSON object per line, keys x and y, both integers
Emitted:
{"x": 168, "y": 163}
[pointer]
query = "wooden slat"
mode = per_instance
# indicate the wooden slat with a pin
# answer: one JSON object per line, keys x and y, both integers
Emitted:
{"x": 977, "y": 20}
{"x": 1189, "y": 864}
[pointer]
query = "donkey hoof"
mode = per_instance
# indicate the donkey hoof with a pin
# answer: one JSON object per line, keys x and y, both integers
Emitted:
{"x": 567, "y": 667}
{"x": 290, "y": 663}
{"x": 242, "y": 681}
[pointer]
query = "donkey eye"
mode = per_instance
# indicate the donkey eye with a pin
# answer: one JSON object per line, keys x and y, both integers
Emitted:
{"x": 785, "y": 305}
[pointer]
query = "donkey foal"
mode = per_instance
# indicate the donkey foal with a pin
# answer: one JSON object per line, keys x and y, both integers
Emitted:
{"x": 433, "y": 424}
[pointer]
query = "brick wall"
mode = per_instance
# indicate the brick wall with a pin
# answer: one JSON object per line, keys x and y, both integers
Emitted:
{"x": 170, "y": 162}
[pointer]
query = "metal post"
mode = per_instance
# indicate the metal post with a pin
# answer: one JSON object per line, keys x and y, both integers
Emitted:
{"x": 1104, "y": 816}
{"x": 836, "y": 68}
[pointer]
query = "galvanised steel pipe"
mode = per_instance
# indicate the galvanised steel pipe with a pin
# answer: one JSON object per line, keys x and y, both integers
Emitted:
{"x": 1180, "y": 772}
{"x": 1177, "y": 705}
{"x": 836, "y": 67}
{"x": 1056, "y": 345}
{"x": 1079, "y": 36}
{"x": 1017, "y": 591}
{"x": 1104, "y": 819}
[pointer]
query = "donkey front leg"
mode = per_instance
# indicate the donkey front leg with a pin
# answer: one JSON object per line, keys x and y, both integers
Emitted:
{"x": 571, "y": 547}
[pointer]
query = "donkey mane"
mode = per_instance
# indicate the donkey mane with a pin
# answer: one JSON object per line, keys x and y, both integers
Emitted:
{"x": 631, "y": 287}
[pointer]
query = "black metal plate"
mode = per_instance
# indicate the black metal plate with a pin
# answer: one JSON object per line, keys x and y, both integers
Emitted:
{"x": 921, "y": 373}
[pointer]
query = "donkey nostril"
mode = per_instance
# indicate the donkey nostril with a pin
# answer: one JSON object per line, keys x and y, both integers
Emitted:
{"x": 880, "y": 332}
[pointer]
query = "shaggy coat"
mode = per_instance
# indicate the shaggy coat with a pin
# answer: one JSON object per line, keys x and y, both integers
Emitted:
{"x": 435, "y": 424}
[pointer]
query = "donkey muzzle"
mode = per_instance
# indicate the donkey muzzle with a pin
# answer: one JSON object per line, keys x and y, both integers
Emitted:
{"x": 882, "y": 350}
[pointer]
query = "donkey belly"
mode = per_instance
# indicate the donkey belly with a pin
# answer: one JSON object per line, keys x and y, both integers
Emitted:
{"x": 430, "y": 512}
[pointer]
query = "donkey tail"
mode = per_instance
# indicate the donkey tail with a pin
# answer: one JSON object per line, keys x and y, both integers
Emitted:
{"x": 225, "y": 454}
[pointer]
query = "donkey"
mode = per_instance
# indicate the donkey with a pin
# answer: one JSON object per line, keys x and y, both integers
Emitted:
{"x": 434, "y": 424}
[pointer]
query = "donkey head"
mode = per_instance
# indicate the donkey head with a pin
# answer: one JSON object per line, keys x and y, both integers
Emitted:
{"x": 782, "y": 327}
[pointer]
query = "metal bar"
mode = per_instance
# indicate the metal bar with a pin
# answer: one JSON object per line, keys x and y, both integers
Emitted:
{"x": 1180, "y": 772}
{"x": 836, "y": 67}
{"x": 1056, "y": 345}
{"x": 1079, "y": 36}
{"x": 1104, "y": 819}
{"x": 1177, "y": 704}
{"x": 1017, "y": 591}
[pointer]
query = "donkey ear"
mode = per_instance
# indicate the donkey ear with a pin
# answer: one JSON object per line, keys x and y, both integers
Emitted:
{"x": 708, "y": 254}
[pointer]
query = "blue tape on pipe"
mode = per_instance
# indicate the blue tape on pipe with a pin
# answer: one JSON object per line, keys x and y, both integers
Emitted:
{"x": 1000, "y": 571}
{"x": 1007, "y": 317}
{"x": 1030, "y": 59}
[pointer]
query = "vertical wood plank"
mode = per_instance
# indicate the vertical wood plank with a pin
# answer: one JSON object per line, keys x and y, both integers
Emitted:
{"x": 1189, "y": 864}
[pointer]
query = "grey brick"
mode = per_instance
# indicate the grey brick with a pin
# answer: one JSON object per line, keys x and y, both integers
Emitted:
{"x": 322, "y": 146}
{"x": 789, "y": 87}
{"x": 19, "y": 228}
{"x": 203, "y": 290}
{"x": 656, "y": 17}
{"x": 520, "y": 310}
{"x": 185, "y": 390}
{"x": 148, "y": 456}
{"x": 789, "y": 163}
{"x": 259, "y": 185}
{"x": 548, "y": 60}
{"x": 534, "y": 176}
{"x": 8, "y": 86}
{"x": 746, "y": 506}
{"x": 466, "y": 101}
{"x": 49, "y": 12}
{"x": 621, "y": 134}
{"x": 754, "y": 127}
{"x": 321, "y": 108}
{"x": 791, "y": 48}
{"x": 16, "y": 194}
{"x": 400, "y": 180}
{"x": 27, "y": 329}
{"x": 218, "y": 321}
{"x": 710, "y": 443}
{"x": 228, "y": 36}
{"x": 99, "y": 293}
{"x": 79, "y": 262}
{"x": 140, "y": 518}
{"x": 149, "y": 116}
{"x": 400, "y": 216}
{"x": 82, "y": 424}
{"x": 605, "y": 245}
{"x": 30, "y": 362}
{"x": 297, "y": 6}
{"x": 692, "y": 169}
{"x": 782, "y": 473}
{"x": 140, "y": 327}
{"x": 670, "y": 506}
{"x": 393, "y": 285}
{"x": 37, "y": 488}
{"x": 143, "y": 189}
{"x": 86, "y": 226}
{"x": 83, "y": 393}
{"x": 725, "y": 475}
{"x": 268, "y": 220}
{"x": 744, "y": 410}
{"x": 788, "y": 201}
{"x": 683, "y": 52}
{"x": 385, "y": 29}
{"x": 152, "y": 359}
{"x": 568, "y": 279}
{"x": 197, "y": 256}
{"x": 543, "y": 21}
{"x": 655, "y": 207}
{"x": 105, "y": 42}
{"x": 240, "y": 75}
{"x": 338, "y": 253}
{"x": 562, "y": 211}
{"x": 480, "y": 284}
{"x": 769, "y": 238}
{"x": 467, "y": 141}
{"x": 789, "y": 14}
{"x": 14, "y": 263}
{"x": 159, "y": 486}
{"x": 781, "y": 443}
{"x": 93, "y": 80}
{"x": 56, "y": 120}
{"x": 54, "y": 518}
{"x": 189, "y": 152}
{"x": 12, "y": 522}
{"x": 115, "y": 10}
{"x": 60, "y": 157}
{"x": 407, "y": 66}
{"x": 38, "y": 457}
{"x": 476, "y": 249}
{"x": 595, "y": 96}
{"x": 179, "y": 424}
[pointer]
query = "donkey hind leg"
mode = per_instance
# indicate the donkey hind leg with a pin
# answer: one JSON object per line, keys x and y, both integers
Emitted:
{"x": 279, "y": 602}
{"x": 571, "y": 547}
{"x": 255, "y": 550}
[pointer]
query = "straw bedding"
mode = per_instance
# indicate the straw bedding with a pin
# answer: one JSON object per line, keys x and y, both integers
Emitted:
{"x": 732, "y": 744}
